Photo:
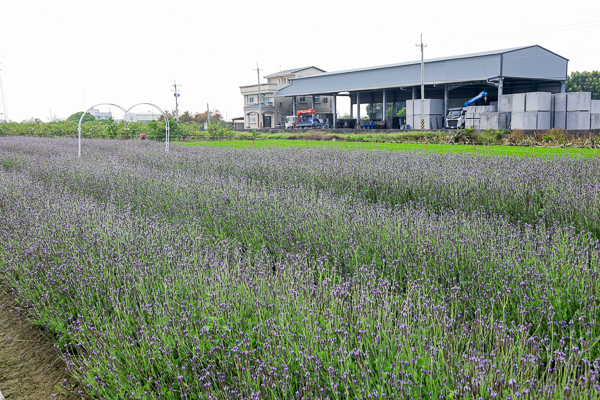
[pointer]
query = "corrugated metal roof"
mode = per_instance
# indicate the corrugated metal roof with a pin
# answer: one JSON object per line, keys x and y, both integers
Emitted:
{"x": 291, "y": 71}
{"x": 430, "y": 60}
{"x": 529, "y": 62}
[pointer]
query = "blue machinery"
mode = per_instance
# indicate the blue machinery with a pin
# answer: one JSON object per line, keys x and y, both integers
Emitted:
{"x": 474, "y": 99}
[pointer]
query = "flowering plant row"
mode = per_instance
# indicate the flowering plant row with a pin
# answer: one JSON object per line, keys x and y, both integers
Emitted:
{"x": 277, "y": 273}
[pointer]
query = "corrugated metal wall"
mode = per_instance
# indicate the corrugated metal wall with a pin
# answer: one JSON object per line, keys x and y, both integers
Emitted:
{"x": 534, "y": 62}
{"x": 463, "y": 69}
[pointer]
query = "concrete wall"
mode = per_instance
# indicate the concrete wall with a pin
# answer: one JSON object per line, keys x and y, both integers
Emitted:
{"x": 578, "y": 120}
{"x": 579, "y": 101}
{"x": 538, "y": 101}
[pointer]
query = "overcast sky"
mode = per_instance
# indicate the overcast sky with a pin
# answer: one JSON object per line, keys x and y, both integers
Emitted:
{"x": 59, "y": 55}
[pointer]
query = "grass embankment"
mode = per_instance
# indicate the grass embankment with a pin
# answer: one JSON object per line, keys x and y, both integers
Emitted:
{"x": 367, "y": 146}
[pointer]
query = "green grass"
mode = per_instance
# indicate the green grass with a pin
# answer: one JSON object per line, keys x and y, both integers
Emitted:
{"x": 440, "y": 148}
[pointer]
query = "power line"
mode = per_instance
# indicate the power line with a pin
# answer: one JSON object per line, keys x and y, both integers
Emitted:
{"x": 581, "y": 25}
{"x": 176, "y": 94}
{"x": 422, "y": 82}
{"x": 259, "y": 99}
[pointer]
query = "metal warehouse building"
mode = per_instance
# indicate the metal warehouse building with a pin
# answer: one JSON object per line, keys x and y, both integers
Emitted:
{"x": 454, "y": 79}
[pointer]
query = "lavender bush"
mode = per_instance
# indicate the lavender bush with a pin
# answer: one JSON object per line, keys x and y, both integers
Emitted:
{"x": 224, "y": 273}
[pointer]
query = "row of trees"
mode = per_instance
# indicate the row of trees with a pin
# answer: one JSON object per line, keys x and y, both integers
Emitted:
{"x": 201, "y": 118}
{"x": 584, "y": 82}
{"x": 111, "y": 129}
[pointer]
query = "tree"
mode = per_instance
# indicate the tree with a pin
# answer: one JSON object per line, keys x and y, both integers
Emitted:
{"x": 111, "y": 128}
{"x": 186, "y": 117}
{"x": 584, "y": 82}
{"x": 201, "y": 118}
{"x": 75, "y": 117}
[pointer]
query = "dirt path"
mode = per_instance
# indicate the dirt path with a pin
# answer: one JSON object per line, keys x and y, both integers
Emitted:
{"x": 30, "y": 367}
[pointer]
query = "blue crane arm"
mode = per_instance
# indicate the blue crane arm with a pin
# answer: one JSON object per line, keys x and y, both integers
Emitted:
{"x": 474, "y": 99}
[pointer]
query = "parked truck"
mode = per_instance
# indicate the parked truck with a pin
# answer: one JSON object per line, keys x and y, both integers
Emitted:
{"x": 456, "y": 116}
{"x": 302, "y": 120}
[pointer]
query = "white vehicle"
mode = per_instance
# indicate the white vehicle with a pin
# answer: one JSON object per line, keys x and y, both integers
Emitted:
{"x": 290, "y": 120}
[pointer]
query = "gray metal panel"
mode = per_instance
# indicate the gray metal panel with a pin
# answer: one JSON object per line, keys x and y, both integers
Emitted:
{"x": 466, "y": 69}
{"x": 477, "y": 68}
{"x": 534, "y": 62}
{"x": 431, "y": 60}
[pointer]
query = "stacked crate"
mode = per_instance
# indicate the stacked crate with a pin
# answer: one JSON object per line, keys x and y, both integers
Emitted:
{"x": 505, "y": 109}
{"x": 490, "y": 118}
{"x": 595, "y": 114}
{"x": 560, "y": 110}
{"x": 433, "y": 110}
{"x": 472, "y": 117}
{"x": 540, "y": 103}
{"x": 531, "y": 111}
{"x": 578, "y": 110}
{"x": 493, "y": 120}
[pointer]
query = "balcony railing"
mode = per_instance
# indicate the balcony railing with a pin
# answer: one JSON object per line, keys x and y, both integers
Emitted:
{"x": 253, "y": 89}
{"x": 265, "y": 103}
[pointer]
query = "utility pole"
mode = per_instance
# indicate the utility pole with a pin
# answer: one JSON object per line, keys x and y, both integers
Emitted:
{"x": 259, "y": 99}
{"x": 208, "y": 113}
{"x": 176, "y": 94}
{"x": 3, "y": 112}
{"x": 422, "y": 83}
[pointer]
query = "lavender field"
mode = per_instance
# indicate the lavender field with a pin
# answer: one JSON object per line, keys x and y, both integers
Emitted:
{"x": 314, "y": 273}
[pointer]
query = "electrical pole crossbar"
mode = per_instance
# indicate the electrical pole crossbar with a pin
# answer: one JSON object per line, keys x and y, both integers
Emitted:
{"x": 422, "y": 83}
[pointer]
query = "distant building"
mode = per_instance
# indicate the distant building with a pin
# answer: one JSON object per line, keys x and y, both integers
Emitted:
{"x": 100, "y": 114}
{"x": 142, "y": 117}
{"x": 275, "y": 108}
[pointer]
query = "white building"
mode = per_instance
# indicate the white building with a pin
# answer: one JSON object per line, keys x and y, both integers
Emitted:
{"x": 142, "y": 117}
{"x": 275, "y": 108}
{"x": 100, "y": 114}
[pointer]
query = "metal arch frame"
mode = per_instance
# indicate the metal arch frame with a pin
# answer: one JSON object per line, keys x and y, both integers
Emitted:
{"x": 125, "y": 111}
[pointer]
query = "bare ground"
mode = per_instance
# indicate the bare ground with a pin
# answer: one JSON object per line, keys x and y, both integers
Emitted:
{"x": 30, "y": 367}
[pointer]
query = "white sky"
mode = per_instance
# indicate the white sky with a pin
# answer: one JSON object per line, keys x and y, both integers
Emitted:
{"x": 127, "y": 51}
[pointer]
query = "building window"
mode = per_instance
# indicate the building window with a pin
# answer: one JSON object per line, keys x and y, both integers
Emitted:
{"x": 250, "y": 98}
{"x": 317, "y": 99}
{"x": 252, "y": 118}
{"x": 267, "y": 97}
{"x": 302, "y": 99}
